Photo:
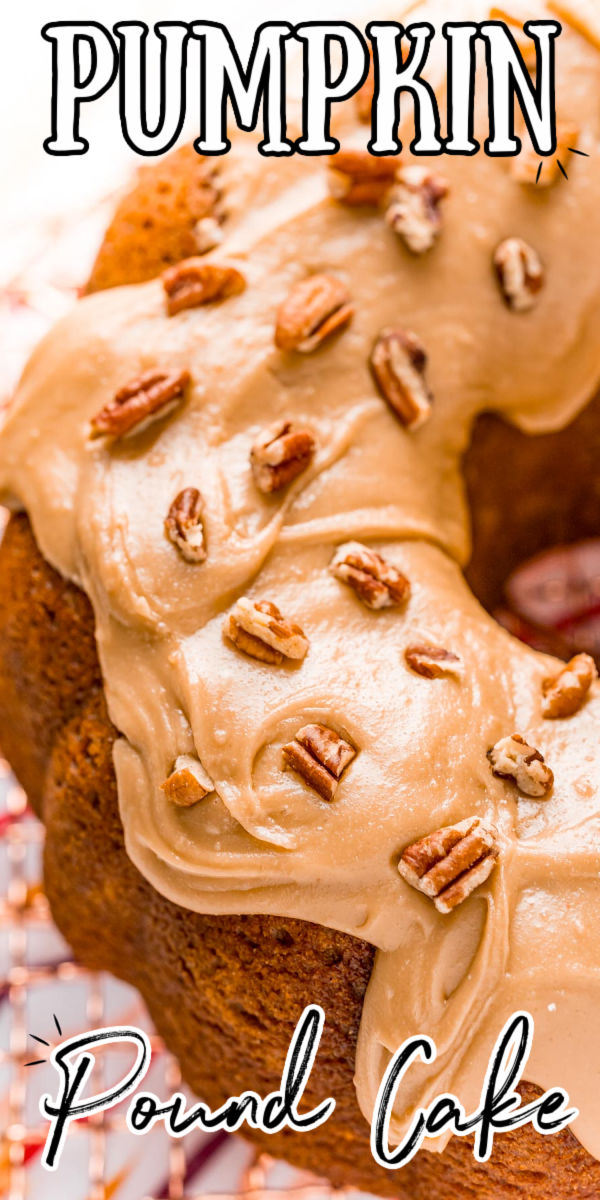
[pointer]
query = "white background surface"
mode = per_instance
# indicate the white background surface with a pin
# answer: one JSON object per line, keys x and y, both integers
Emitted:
{"x": 34, "y": 182}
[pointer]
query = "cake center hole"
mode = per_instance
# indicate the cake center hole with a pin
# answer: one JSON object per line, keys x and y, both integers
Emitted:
{"x": 535, "y": 511}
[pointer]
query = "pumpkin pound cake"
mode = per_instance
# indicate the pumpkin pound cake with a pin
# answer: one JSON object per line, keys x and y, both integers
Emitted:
{"x": 283, "y": 754}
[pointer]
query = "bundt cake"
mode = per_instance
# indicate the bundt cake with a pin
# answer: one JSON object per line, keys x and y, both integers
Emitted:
{"x": 267, "y": 479}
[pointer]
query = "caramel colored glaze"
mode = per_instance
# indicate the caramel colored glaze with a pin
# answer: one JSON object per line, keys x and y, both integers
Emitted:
{"x": 264, "y": 843}
{"x": 223, "y": 991}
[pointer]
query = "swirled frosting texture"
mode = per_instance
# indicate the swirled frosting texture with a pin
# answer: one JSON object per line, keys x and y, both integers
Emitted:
{"x": 264, "y": 841}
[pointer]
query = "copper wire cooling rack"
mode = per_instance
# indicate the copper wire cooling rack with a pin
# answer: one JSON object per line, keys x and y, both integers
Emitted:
{"x": 44, "y": 992}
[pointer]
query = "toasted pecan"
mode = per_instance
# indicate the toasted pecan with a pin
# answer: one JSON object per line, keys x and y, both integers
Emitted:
{"x": 398, "y": 362}
{"x": 512, "y": 758}
{"x": 279, "y": 454}
{"x": 414, "y": 207}
{"x": 320, "y": 756}
{"x": 449, "y": 864}
{"x": 184, "y": 526}
{"x": 141, "y": 400}
{"x": 520, "y": 273}
{"x": 193, "y": 282}
{"x": 259, "y": 629}
{"x": 314, "y": 308}
{"x": 564, "y": 693}
{"x": 187, "y": 782}
{"x": 356, "y": 177}
{"x": 432, "y": 662}
{"x": 377, "y": 582}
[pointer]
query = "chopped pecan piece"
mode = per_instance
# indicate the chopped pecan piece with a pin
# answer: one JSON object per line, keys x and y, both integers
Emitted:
{"x": 414, "y": 207}
{"x": 258, "y": 628}
{"x": 193, "y": 282}
{"x": 141, "y": 400}
{"x": 378, "y": 583}
{"x": 357, "y": 177}
{"x": 315, "y": 308}
{"x": 449, "y": 864}
{"x": 208, "y": 233}
{"x": 398, "y": 362}
{"x": 512, "y": 758}
{"x": 563, "y": 694}
{"x": 432, "y": 661}
{"x": 528, "y": 167}
{"x": 184, "y": 526}
{"x": 188, "y": 782}
{"x": 320, "y": 756}
{"x": 520, "y": 273}
{"x": 280, "y": 454}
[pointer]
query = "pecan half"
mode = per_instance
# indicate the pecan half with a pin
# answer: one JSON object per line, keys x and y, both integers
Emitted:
{"x": 141, "y": 400}
{"x": 520, "y": 273}
{"x": 208, "y": 233}
{"x": 184, "y": 526}
{"x": 449, "y": 864}
{"x": 320, "y": 756}
{"x": 315, "y": 308}
{"x": 356, "y": 177}
{"x": 193, "y": 282}
{"x": 378, "y": 583}
{"x": 259, "y": 629}
{"x": 564, "y": 693}
{"x": 280, "y": 454}
{"x": 398, "y": 362}
{"x": 512, "y": 758}
{"x": 432, "y": 661}
{"x": 529, "y": 167}
{"x": 188, "y": 782}
{"x": 414, "y": 207}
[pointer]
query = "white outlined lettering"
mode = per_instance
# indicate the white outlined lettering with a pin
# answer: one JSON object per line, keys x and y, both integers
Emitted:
{"x": 70, "y": 88}
{"x": 256, "y": 92}
{"x": 320, "y": 90}
{"x": 74, "y": 1077}
{"x": 133, "y": 83}
{"x": 508, "y": 78}
{"x": 499, "y": 1107}
{"x": 224, "y": 79}
{"x": 461, "y": 87}
{"x": 392, "y": 77}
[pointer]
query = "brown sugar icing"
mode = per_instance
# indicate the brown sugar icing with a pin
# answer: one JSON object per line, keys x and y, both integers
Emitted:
{"x": 263, "y": 841}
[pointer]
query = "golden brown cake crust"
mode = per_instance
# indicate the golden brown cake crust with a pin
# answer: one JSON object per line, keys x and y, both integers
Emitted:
{"x": 154, "y": 223}
{"x": 224, "y": 992}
